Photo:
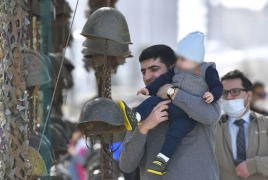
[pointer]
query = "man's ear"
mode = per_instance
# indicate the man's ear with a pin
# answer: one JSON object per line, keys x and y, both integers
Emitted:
{"x": 250, "y": 96}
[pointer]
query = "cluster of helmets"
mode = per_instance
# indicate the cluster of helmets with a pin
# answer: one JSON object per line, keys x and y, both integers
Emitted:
{"x": 41, "y": 69}
{"x": 108, "y": 35}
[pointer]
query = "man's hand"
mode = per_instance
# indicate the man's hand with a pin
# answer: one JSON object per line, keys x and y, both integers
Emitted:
{"x": 143, "y": 91}
{"x": 162, "y": 92}
{"x": 242, "y": 170}
{"x": 208, "y": 96}
{"x": 157, "y": 116}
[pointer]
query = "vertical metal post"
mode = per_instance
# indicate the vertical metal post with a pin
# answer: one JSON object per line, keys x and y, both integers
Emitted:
{"x": 45, "y": 47}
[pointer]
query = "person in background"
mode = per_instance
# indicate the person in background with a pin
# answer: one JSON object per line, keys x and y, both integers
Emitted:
{"x": 258, "y": 103}
{"x": 78, "y": 150}
{"x": 241, "y": 135}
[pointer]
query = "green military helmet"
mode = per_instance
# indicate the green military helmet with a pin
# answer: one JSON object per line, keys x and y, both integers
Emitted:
{"x": 36, "y": 71}
{"x": 113, "y": 48}
{"x": 44, "y": 59}
{"x": 107, "y": 23}
{"x": 100, "y": 116}
{"x": 49, "y": 64}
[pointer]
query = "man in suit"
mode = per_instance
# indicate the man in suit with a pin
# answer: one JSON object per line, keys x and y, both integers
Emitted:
{"x": 242, "y": 135}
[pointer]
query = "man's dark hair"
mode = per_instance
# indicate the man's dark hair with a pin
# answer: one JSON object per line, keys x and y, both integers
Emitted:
{"x": 257, "y": 85}
{"x": 164, "y": 53}
{"x": 236, "y": 74}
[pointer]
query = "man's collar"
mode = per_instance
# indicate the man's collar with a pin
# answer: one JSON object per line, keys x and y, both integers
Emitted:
{"x": 253, "y": 116}
{"x": 246, "y": 117}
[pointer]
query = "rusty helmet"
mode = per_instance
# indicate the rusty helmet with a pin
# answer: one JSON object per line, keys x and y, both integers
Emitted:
{"x": 36, "y": 71}
{"x": 113, "y": 48}
{"x": 43, "y": 157}
{"x": 100, "y": 115}
{"x": 107, "y": 23}
{"x": 93, "y": 59}
{"x": 37, "y": 164}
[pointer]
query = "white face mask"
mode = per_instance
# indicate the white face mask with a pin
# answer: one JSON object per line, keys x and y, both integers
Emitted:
{"x": 235, "y": 107}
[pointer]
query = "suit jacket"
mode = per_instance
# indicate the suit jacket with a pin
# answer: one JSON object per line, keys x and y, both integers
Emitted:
{"x": 257, "y": 152}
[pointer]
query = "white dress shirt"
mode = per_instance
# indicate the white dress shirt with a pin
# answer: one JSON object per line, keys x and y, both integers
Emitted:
{"x": 233, "y": 129}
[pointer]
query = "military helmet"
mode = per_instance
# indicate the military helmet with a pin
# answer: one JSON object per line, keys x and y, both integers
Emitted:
{"x": 116, "y": 137}
{"x": 36, "y": 71}
{"x": 38, "y": 55}
{"x": 100, "y": 115}
{"x": 87, "y": 52}
{"x": 58, "y": 142}
{"x": 48, "y": 62}
{"x": 45, "y": 59}
{"x": 107, "y": 23}
{"x": 66, "y": 70}
{"x": 93, "y": 59}
{"x": 113, "y": 48}
{"x": 37, "y": 164}
{"x": 67, "y": 63}
{"x": 64, "y": 80}
{"x": 43, "y": 157}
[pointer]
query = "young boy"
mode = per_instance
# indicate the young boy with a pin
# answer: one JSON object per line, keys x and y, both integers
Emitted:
{"x": 189, "y": 74}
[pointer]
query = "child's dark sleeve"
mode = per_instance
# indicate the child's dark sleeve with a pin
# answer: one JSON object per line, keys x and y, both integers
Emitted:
{"x": 214, "y": 83}
{"x": 160, "y": 81}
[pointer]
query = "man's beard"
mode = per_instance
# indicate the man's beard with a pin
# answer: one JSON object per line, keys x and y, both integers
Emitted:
{"x": 150, "y": 81}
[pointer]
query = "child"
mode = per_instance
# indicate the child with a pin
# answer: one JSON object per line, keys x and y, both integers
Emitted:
{"x": 190, "y": 74}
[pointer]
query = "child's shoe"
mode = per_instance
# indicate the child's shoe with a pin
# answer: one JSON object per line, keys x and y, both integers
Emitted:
{"x": 129, "y": 116}
{"x": 159, "y": 166}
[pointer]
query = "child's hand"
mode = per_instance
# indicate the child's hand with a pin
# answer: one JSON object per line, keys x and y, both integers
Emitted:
{"x": 208, "y": 97}
{"x": 143, "y": 91}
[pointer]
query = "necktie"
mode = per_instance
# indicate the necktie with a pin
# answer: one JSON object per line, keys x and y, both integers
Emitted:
{"x": 240, "y": 142}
